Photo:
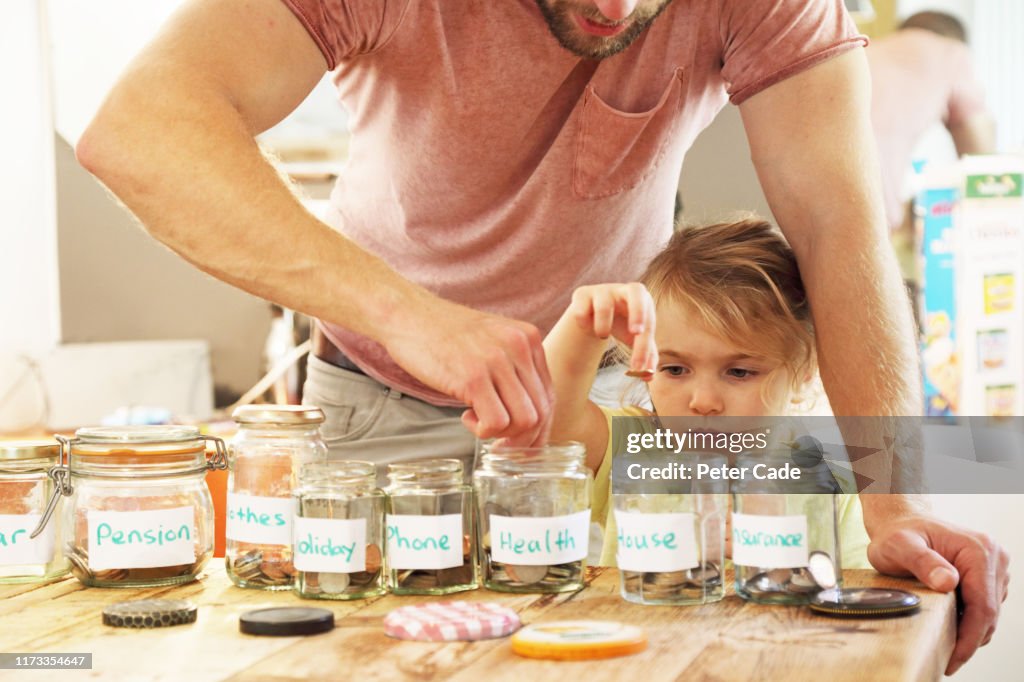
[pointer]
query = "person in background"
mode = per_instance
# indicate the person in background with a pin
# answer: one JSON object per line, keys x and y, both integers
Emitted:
{"x": 733, "y": 337}
{"x": 503, "y": 154}
{"x": 921, "y": 76}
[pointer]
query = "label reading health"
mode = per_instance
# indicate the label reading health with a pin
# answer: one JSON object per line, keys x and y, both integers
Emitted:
{"x": 141, "y": 539}
{"x": 769, "y": 541}
{"x": 330, "y": 545}
{"x": 424, "y": 542}
{"x": 655, "y": 542}
{"x": 16, "y": 549}
{"x": 263, "y": 520}
{"x": 540, "y": 540}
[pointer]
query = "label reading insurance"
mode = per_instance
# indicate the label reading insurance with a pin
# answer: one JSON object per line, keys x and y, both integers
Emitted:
{"x": 330, "y": 545}
{"x": 769, "y": 541}
{"x": 141, "y": 539}
{"x": 540, "y": 541}
{"x": 16, "y": 548}
{"x": 655, "y": 542}
{"x": 264, "y": 520}
{"x": 424, "y": 541}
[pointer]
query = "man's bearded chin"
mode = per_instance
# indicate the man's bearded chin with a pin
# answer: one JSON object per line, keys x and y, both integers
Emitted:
{"x": 569, "y": 35}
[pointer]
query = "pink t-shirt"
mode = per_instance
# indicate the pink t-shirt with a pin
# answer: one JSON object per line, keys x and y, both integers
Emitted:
{"x": 918, "y": 79}
{"x": 498, "y": 170}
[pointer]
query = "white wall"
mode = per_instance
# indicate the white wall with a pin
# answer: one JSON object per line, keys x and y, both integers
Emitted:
{"x": 28, "y": 230}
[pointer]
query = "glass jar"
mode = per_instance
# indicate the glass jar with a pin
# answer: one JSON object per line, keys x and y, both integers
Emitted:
{"x": 339, "y": 531}
{"x": 25, "y": 489}
{"x": 670, "y": 535}
{"x": 430, "y": 530}
{"x": 272, "y": 444}
{"x": 534, "y": 508}
{"x": 139, "y": 513}
{"x": 785, "y": 529}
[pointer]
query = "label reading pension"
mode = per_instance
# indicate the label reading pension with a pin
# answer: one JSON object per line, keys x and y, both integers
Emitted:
{"x": 17, "y": 549}
{"x": 541, "y": 540}
{"x": 141, "y": 539}
{"x": 330, "y": 545}
{"x": 655, "y": 542}
{"x": 264, "y": 520}
{"x": 424, "y": 542}
{"x": 769, "y": 541}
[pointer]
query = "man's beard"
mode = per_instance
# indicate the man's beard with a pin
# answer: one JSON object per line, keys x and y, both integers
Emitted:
{"x": 568, "y": 32}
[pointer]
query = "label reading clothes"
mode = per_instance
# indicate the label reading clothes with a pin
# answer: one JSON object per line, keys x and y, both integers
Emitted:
{"x": 263, "y": 520}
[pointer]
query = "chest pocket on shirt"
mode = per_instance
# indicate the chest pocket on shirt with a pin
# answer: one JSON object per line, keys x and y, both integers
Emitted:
{"x": 617, "y": 150}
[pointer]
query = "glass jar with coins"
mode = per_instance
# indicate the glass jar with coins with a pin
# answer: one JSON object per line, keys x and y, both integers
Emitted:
{"x": 339, "y": 531}
{"x": 138, "y": 513}
{"x": 670, "y": 535}
{"x": 534, "y": 508}
{"x": 430, "y": 528}
{"x": 785, "y": 530}
{"x": 25, "y": 489}
{"x": 272, "y": 444}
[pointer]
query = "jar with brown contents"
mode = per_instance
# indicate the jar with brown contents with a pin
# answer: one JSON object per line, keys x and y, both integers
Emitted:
{"x": 139, "y": 513}
{"x": 25, "y": 489}
{"x": 273, "y": 442}
{"x": 430, "y": 528}
{"x": 339, "y": 531}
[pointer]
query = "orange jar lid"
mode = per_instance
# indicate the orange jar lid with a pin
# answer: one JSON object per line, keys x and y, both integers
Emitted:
{"x": 575, "y": 640}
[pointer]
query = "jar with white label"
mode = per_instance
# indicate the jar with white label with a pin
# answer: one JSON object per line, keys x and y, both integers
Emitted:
{"x": 784, "y": 538}
{"x": 25, "y": 489}
{"x": 430, "y": 532}
{"x": 534, "y": 506}
{"x": 138, "y": 513}
{"x": 272, "y": 444}
{"x": 339, "y": 531}
{"x": 670, "y": 534}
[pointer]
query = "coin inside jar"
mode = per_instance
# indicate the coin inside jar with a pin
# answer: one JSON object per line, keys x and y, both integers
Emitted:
{"x": 527, "y": 575}
{"x": 333, "y": 583}
{"x": 373, "y": 558}
{"x": 822, "y": 570}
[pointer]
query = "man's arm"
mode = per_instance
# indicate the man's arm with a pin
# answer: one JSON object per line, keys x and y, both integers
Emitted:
{"x": 976, "y": 134}
{"x": 174, "y": 141}
{"x": 811, "y": 141}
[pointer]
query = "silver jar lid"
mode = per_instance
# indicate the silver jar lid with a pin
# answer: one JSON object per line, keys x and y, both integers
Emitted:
{"x": 29, "y": 449}
{"x": 278, "y": 415}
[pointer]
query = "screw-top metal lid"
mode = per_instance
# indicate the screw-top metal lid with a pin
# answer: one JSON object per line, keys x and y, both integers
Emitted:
{"x": 29, "y": 449}
{"x": 278, "y": 415}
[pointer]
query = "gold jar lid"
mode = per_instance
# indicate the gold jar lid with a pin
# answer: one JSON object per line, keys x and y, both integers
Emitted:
{"x": 29, "y": 449}
{"x": 278, "y": 415}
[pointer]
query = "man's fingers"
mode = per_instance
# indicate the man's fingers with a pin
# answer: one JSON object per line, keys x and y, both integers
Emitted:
{"x": 909, "y": 551}
{"x": 491, "y": 416}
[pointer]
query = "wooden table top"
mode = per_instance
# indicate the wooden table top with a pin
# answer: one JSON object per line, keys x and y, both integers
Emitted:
{"x": 728, "y": 640}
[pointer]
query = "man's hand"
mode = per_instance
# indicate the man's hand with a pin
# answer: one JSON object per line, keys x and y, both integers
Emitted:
{"x": 493, "y": 364}
{"x": 941, "y": 555}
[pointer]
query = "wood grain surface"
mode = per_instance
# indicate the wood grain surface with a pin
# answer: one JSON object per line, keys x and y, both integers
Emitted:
{"x": 729, "y": 640}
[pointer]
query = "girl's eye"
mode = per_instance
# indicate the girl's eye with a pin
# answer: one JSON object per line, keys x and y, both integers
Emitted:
{"x": 673, "y": 370}
{"x": 740, "y": 373}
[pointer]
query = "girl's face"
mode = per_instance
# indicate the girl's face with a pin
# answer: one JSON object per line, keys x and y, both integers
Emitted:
{"x": 702, "y": 375}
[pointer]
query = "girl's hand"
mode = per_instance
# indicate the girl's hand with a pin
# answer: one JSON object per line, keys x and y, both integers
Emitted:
{"x": 625, "y": 311}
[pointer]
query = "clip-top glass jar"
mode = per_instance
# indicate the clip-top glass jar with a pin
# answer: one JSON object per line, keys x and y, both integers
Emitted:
{"x": 339, "y": 531}
{"x": 430, "y": 530}
{"x": 25, "y": 489}
{"x": 139, "y": 513}
{"x": 272, "y": 444}
{"x": 534, "y": 517}
{"x": 670, "y": 535}
{"x": 785, "y": 530}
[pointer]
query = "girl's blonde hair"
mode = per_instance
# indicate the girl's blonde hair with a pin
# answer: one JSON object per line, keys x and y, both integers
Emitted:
{"x": 741, "y": 278}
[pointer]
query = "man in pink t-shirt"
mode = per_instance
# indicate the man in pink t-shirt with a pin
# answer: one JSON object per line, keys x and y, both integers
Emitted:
{"x": 922, "y": 75}
{"x": 502, "y": 154}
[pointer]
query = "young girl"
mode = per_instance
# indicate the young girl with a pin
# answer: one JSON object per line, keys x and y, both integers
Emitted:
{"x": 734, "y": 337}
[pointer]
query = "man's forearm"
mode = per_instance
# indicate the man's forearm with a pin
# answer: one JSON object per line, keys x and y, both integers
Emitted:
{"x": 189, "y": 169}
